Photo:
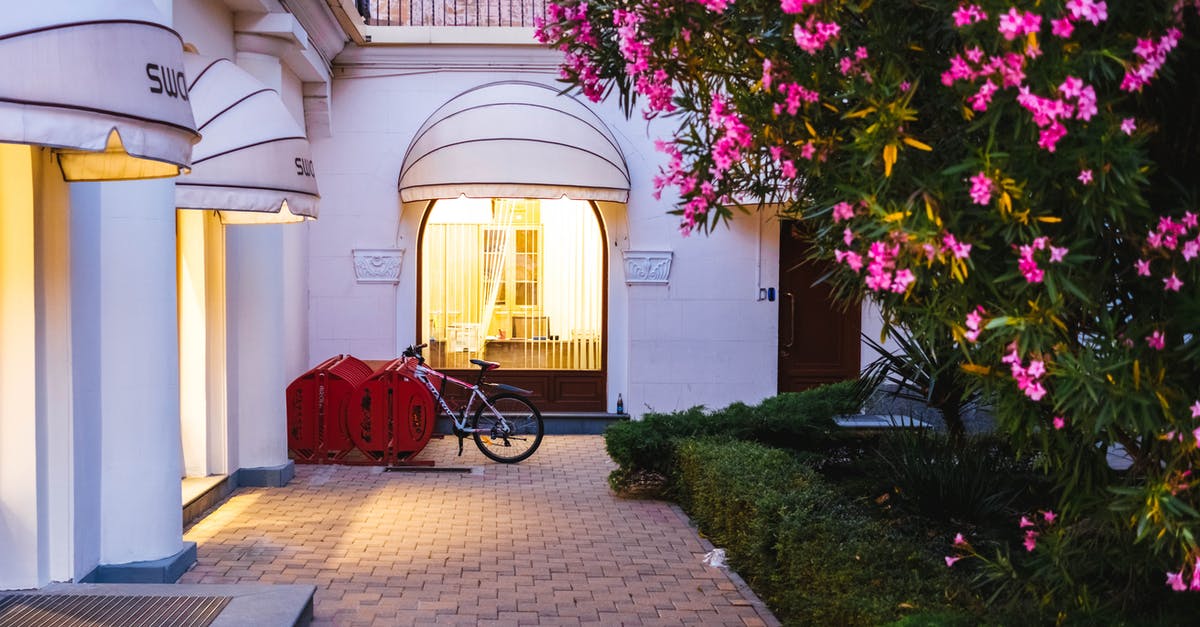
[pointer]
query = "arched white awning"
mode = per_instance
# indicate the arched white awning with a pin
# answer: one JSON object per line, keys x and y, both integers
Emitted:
{"x": 254, "y": 164}
{"x": 101, "y": 81}
{"x": 514, "y": 140}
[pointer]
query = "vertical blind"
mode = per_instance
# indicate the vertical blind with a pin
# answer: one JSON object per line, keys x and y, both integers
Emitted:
{"x": 515, "y": 281}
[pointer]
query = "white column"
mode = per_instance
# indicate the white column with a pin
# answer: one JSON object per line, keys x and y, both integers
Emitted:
{"x": 19, "y": 537}
{"x": 257, "y": 375}
{"x": 127, "y": 363}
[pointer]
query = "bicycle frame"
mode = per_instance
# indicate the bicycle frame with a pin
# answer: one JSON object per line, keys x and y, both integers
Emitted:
{"x": 422, "y": 372}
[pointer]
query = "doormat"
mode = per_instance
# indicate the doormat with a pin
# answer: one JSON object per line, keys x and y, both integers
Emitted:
{"x": 114, "y": 610}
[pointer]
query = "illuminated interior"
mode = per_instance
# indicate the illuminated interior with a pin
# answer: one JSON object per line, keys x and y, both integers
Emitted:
{"x": 515, "y": 281}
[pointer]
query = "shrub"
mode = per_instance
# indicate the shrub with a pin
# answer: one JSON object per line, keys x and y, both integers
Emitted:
{"x": 815, "y": 556}
{"x": 644, "y": 449}
{"x": 975, "y": 480}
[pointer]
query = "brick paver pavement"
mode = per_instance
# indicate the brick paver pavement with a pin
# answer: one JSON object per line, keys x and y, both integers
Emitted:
{"x": 540, "y": 542}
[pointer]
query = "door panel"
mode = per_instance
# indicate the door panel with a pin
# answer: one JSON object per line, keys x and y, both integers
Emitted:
{"x": 818, "y": 342}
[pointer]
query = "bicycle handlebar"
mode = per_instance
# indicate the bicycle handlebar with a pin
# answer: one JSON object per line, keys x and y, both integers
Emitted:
{"x": 415, "y": 351}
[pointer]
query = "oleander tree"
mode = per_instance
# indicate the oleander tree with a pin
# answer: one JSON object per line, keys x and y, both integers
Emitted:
{"x": 1016, "y": 179}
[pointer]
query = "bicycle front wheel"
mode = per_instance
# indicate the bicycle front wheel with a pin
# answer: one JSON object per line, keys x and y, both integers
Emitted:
{"x": 511, "y": 428}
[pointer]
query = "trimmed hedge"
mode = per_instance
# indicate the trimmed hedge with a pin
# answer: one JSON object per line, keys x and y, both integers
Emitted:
{"x": 816, "y": 557}
{"x": 801, "y": 421}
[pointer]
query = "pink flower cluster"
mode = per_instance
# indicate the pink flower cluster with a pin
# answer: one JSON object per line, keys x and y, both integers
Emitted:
{"x": 794, "y": 94}
{"x": 1029, "y": 266}
{"x": 1089, "y": 10}
{"x": 814, "y": 34}
{"x": 796, "y": 6}
{"x": 734, "y": 136}
{"x": 1153, "y": 55}
{"x": 959, "y": 543}
{"x": 1175, "y": 580}
{"x": 1028, "y": 377}
{"x": 1015, "y": 23}
{"x": 787, "y": 167}
{"x": 1047, "y": 112}
{"x": 967, "y": 14}
{"x": 981, "y": 189}
{"x": 653, "y": 83}
{"x": 1171, "y": 235}
{"x": 843, "y": 211}
{"x": 577, "y": 68}
{"x": 974, "y": 324}
{"x": 716, "y": 6}
{"x": 1031, "y": 534}
{"x": 853, "y": 66}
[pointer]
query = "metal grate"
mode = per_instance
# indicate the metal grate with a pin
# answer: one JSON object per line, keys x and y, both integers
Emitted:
{"x": 68, "y": 610}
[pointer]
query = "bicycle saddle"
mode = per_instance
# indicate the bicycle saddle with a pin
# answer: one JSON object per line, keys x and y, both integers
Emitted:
{"x": 486, "y": 365}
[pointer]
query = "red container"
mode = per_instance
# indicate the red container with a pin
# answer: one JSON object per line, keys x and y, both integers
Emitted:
{"x": 393, "y": 415}
{"x": 316, "y": 410}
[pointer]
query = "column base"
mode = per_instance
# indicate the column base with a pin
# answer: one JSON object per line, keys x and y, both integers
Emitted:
{"x": 165, "y": 570}
{"x": 267, "y": 476}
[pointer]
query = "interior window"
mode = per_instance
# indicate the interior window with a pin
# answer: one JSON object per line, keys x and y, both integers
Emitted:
{"x": 515, "y": 281}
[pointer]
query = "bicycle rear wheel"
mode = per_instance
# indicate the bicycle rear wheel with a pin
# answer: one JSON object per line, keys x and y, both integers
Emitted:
{"x": 512, "y": 428}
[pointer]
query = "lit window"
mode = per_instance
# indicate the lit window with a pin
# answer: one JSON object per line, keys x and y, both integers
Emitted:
{"x": 514, "y": 281}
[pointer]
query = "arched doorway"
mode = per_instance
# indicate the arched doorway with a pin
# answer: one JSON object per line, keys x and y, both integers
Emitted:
{"x": 512, "y": 261}
{"x": 521, "y": 282}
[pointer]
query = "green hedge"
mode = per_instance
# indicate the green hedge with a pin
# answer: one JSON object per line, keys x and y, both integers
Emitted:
{"x": 816, "y": 557}
{"x": 802, "y": 421}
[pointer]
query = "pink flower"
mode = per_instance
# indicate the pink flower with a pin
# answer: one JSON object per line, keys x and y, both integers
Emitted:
{"x": 808, "y": 150}
{"x": 1062, "y": 27}
{"x": 766, "y": 74}
{"x": 1090, "y": 10}
{"x": 1191, "y": 249}
{"x": 843, "y": 211}
{"x": 974, "y": 324}
{"x": 1175, "y": 580}
{"x": 1085, "y": 176}
{"x": 1049, "y": 516}
{"x": 795, "y": 6}
{"x": 1172, "y": 283}
{"x": 959, "y": 540}
{"x": 1057, "y": 253}
{"x": 1025, "y": 522}
{"x": 1128, "y": 126}
{"x": 951, "y": 560}
{"x": 848, "y": 236}
{"x": 1196, "y": 434}
{"x": 904, "y": 278}
{"x": 1030, "y": 540}
{"x": 960, "y": 250}
{"x": 981, "y": 189}
{"x": 1059, "y": 422}
{"x": 1015, "y": 23}
{"x": 1156, "y": 340}
{"x": 1143, "y": 267}
{"x": 813, "y": 35}
{"x": 1195, "y": 409}
{"x": 967, "y": 14}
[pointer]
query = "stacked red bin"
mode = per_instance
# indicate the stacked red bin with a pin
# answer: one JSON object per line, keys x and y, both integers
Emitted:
{"x": 394, "y": 413}
{"x": 316, "y": 410}
{"x": 341, "y": 412}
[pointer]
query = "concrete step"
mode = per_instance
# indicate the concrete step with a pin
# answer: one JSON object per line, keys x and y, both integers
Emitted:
{"x": 561, "y": 423}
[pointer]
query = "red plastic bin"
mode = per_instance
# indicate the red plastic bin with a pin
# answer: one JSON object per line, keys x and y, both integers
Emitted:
{"x": 393, "y": 415}
{"x": 316, "y": 410}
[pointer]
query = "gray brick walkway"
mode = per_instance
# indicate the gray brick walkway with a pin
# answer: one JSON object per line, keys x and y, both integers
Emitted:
{"x": 541, "y": 542}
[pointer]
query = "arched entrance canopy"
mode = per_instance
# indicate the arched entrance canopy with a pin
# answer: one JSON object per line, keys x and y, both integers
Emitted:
{"x": 254, "y": 164}
{"x": 102, "y": 81}
{"x": 514, "y": 140}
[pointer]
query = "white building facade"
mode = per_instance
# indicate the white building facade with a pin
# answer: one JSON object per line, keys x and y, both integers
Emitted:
{"x": 150, "y": 327}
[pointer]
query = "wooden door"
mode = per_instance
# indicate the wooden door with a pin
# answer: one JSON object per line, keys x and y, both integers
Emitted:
{"x": 818, "y": 341}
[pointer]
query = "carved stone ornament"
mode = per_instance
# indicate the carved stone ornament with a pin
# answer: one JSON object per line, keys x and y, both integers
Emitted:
{"x": 378, "y": 265}
{"x": 647, "y": 267}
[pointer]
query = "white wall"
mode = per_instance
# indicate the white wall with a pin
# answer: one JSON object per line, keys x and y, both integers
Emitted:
{"x": 703, "y": 339}
{"x": 206, "y": 24}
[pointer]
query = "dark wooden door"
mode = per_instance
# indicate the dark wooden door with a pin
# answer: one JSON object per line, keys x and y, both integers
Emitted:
{"x": 818, "y": 341}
